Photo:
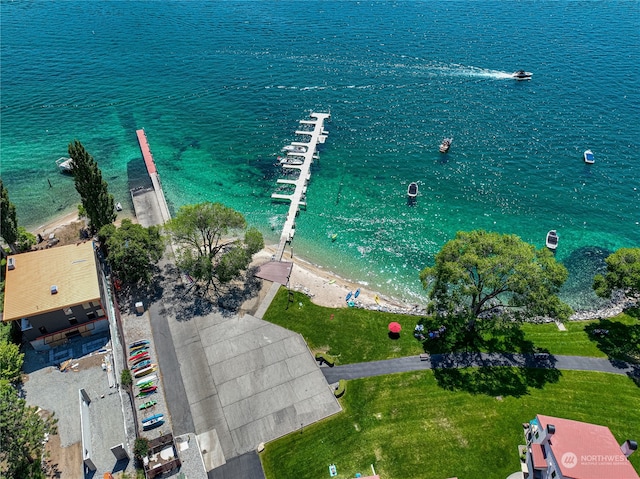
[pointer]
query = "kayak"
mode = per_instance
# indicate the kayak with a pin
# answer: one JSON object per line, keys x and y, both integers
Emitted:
{"x": 148, "y": 404}
{"x": 349, "y": 295}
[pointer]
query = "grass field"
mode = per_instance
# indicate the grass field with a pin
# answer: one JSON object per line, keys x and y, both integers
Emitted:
{"x": 410, "y": 427}
{"x": 355, "y": 335}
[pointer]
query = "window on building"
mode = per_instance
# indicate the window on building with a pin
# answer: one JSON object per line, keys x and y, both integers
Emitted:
{"x": 43, "y": 330}
{"x": 68, "y": 311}
{"x": 73, "y": 320}
{"x": 25, "y": 324}
{"x": 91, "y": 315}
{"x": 544, "y": 451}
{"x": 553, "y": 474}
{"x": 100, "y": 313}
{"x": 86, "y": 305}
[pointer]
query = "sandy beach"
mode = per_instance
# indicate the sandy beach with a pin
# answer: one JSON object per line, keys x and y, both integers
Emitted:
{"x": 324, "y": 287}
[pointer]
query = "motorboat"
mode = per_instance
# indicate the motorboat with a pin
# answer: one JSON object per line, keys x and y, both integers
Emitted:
{"x": 65, "y": 165}
{"x": 522, "y": 75}
{"x": 412, "y": 190}
{"x": 552, "y": 240}
{"x": 295, "y": 148}
{"x": 589, "y": 158}
{"x": 445, "y": 145}
{"x": 118, "y": 206}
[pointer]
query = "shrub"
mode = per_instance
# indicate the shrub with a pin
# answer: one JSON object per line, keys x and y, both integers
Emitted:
{"x": 141, "y": 447}
{"x": 341, "y": 389}
{"x": 325, "y": 358}
{"x": 125, "y": 378}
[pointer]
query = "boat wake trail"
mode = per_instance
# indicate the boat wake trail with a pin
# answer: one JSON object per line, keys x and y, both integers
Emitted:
{"x": 473, "y": 72}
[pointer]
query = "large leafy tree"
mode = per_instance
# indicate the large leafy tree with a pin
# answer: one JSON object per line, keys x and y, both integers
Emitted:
{"x": 214, "y": 250}
{"x": 479, "y": 271}
{"x": 8, "y": 218}
{"x": 132, "y": 250}
{"x": 623, "y": 273}
{"x": 22, "y": 431}
{"x": 96, "y": 200}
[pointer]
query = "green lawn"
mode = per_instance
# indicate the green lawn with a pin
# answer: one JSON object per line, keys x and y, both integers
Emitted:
{"x": 428, "y": 425}
{"x": 355, "y": 335}
{"x": 351, "y": 335}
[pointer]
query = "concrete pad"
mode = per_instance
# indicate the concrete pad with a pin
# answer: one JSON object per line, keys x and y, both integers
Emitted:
{"x": 211, "y": 450}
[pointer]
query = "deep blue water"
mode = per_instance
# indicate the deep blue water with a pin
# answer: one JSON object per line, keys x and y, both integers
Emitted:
{"x": 220, "y": 86}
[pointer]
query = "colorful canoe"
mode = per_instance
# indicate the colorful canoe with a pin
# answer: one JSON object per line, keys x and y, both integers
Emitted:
{"x": 151, "y": 418}
{"x": 146, "y": 393}
{"x": 139, "y": 343}
{"x": 142, "y": 365}
{"x": 146, "y": 384}
{"x": 148, "y": 390}
{"x": 135, "y": 358}
{"x": 144, "y": 357}
{"x": 148, "y": 404}
{"x": 152, "y": 424}
{"x": 138, "y": 349}
{"x": 146, "y": 379}
{"x": 144, "y": 371}
{"x": 135, "y": 352}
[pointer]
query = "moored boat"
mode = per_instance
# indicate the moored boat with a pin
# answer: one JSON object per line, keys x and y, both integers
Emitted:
{"x": 552, "y": 240}
{"x": 445, "y": 145}
{"x": 522, "y": 75}
{"x": 412, "y": 190}
{"x": 65, "y": 165}
{"x": 141, "y": 359}
{"x": 296, "y": 148}
{"x": 589, "y": 158}
{"x": 142, "y": 365}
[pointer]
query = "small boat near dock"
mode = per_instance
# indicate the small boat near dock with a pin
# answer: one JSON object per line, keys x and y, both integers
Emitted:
{"x": 65, "y": 165}
{"x": 295, "y": 148}
{"x": 589, "y": 159}
{"x": 445, "y": 145}
{"x": 412, "y": 190}
{"x": 552, "y": 240}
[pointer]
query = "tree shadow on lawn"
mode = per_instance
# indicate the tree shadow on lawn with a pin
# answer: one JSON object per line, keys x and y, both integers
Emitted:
{"x": 510, "y": 367}
{"x": 497, "y": 380}
{"x": 617, "y": 340}
{"x": 500, "y": 336}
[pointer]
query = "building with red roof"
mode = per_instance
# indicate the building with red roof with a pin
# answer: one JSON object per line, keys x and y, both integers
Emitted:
{"x": 564, "y": 449}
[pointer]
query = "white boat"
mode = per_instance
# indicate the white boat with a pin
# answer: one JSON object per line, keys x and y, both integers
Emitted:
{"x": 296, "y": 148}
{"x": 445, "y": 145}
{"x": 65, "y": 165}
{"x": 552, "y": 240}
{"x": 118, "y": 206}
{"x": 522, "y": 75}
{"x": 589, "y": 158}
{"x": 412, "y": 190}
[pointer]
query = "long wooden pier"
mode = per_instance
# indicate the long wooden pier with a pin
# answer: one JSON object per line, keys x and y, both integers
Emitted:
{"x": 157, "y": 186}
{"x": 298, "y": 197}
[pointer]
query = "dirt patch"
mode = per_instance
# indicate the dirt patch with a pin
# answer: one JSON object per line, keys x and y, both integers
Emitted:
{"x": 62, "y": 462}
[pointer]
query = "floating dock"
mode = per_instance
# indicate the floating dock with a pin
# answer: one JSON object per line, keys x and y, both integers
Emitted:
{"x": 298, "y": 197}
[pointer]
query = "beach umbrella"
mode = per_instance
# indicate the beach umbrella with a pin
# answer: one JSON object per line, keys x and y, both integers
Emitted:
{"x": 395, "y": 327}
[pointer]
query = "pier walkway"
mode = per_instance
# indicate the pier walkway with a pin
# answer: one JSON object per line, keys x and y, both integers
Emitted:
{"x": 300, "y": 160}
{"x": 143, "y": 203}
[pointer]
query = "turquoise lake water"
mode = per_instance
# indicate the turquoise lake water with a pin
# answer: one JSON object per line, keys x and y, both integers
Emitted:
{"x": 220, "y": 87}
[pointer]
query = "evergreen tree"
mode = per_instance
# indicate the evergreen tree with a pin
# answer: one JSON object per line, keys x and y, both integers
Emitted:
{"x": 8, "y": 218}
{"x": 95, "y": 197}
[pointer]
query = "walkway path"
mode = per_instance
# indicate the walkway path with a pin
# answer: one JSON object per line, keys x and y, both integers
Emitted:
{"x": 461, "y": 360}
